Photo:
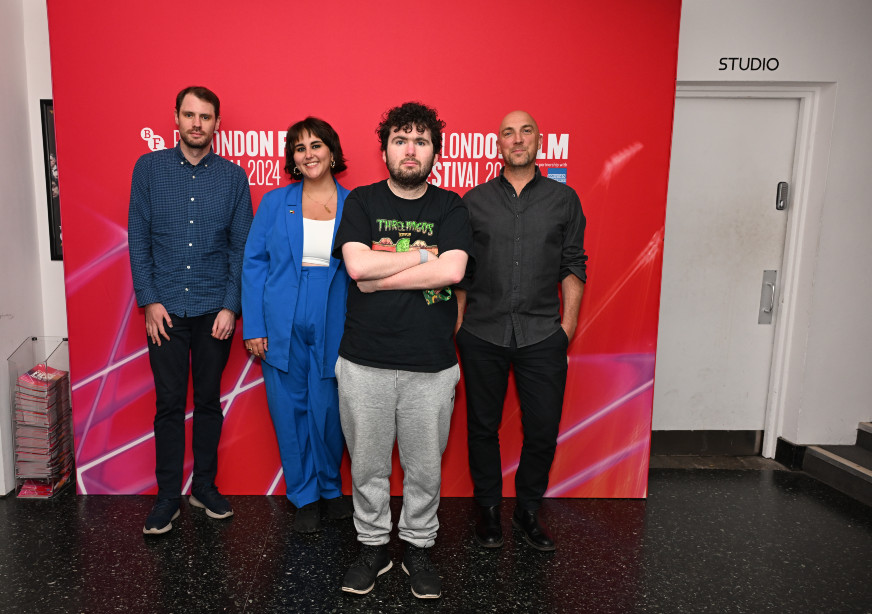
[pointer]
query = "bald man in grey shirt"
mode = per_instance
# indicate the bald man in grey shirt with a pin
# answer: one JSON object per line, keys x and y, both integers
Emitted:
{"x": 528, "y": 238}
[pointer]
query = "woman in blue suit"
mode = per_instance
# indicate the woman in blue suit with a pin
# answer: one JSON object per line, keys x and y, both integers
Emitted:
{"x": 293, "y": 309}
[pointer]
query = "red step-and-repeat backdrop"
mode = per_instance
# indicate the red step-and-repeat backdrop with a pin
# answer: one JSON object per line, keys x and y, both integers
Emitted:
{"x": 598, "y": 75}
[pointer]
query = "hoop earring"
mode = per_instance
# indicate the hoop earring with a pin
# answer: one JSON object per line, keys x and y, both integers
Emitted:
{"x": 296, "y": 172}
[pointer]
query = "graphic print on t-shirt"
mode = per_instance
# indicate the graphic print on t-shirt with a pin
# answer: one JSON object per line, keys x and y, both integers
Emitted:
{"x": 403, "y": 232}
{"x": 404, "y": 243}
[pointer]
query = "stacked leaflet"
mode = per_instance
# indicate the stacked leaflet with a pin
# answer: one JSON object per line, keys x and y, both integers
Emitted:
{"x": 43, "y": 434}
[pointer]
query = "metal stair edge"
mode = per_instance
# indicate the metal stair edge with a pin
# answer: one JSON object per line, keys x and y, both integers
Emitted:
{"x": 840, "y": 473}
{"x": 839, "y": 461}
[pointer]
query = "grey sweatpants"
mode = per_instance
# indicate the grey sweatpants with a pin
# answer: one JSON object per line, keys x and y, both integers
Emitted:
{"x": 377, "y": 407}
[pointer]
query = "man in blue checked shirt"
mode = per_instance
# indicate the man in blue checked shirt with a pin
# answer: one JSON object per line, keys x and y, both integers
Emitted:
{"x": 190, "y": 211}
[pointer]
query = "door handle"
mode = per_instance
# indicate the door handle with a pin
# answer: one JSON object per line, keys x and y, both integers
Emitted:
{"x": 771, "y": 298}
{"x": 767, "y": 297}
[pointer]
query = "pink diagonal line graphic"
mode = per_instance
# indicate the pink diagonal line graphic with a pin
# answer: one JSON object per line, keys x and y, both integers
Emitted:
{"x": 89, "y": 270}
{"x": 616, "y": 163}
{"x": 275, "y": 482}
{"x": 594, "y": 470}
{"x": 613, "y": 165}
{"x": 643, "y": 260}
{"x": 227, "y": 400}
{"x": 110, "y": 368}
{"x": 597, "y": 415}
{"x": 103, "y": 375}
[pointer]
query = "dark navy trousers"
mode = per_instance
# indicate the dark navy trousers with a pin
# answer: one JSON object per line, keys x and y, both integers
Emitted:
{"x": 191, "y": 349}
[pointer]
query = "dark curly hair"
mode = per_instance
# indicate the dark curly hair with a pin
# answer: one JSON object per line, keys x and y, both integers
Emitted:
{"x": 408, "y": 116}
{"x": 317, "y": 128}
{"x": 203, "y": 93}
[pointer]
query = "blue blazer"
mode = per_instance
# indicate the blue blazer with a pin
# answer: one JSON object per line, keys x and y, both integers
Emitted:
{"x": 271, "y": 273}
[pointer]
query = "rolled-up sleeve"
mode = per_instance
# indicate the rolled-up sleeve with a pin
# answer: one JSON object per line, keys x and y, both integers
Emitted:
{"x": 573, "y": 259}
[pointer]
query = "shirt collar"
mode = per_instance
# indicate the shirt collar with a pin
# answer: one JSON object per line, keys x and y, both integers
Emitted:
{"x": 536, "y": 176}
{"x": 207, "y": 159}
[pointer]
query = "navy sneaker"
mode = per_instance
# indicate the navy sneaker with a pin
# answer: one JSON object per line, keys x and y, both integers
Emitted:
{"x": 210, "y": 499}
{"x": 372, "y": 562}
{"x": 160, "y": 519}
{"x": 425, "y": 581}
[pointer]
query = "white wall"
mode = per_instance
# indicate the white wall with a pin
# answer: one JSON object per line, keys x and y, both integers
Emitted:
{"x": 815, "y": 41}
{"x": 54, "y": 306}
{"x": 20, "y": 251}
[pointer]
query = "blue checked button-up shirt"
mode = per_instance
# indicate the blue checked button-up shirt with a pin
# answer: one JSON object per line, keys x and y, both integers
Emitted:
{"x": 186, "y": 230}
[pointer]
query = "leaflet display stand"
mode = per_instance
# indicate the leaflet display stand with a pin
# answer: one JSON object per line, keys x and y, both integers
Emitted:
{"x": 39, "y": 386}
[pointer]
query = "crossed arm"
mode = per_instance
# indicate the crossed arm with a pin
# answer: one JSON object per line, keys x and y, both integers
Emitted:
{"x": 374, "y": 271}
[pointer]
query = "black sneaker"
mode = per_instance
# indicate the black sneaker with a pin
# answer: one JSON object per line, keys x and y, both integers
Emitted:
{"x": 212, "y": 501}
{"x": 339, "y": 508}
{"x": 308, "y": 518}
{"x": 160, "y": 519}
{"x": 426, "y": 583}
{"x": 372, "y": 562}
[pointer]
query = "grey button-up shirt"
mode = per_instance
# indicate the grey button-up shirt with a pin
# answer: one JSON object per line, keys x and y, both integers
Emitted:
{"x": 524, "y": 247}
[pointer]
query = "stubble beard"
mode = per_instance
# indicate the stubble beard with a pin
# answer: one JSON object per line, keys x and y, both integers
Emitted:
{"x": 410, "y": 178}
{"x": 195, "y": 144}
{"x": 527, "y": 160}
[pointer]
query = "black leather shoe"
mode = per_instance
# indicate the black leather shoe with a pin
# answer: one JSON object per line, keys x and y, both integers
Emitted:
{"x": 489, "y": 531}
{"x": 534, "y": 533}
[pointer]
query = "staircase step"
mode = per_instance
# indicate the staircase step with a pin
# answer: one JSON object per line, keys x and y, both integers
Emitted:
{"x": 864, "y": 435}
{"x": 855, "y": 454}
{"x": 845, "y": 468}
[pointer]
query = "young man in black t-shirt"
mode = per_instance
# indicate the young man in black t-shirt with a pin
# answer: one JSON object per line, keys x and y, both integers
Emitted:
{"x": 404, "y": 243}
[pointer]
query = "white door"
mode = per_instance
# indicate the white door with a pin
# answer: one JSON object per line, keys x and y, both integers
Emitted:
{"x": 722, "y": 232}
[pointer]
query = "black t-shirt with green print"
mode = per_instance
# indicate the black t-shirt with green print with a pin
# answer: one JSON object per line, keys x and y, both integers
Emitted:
{"x": 410, "y": 330}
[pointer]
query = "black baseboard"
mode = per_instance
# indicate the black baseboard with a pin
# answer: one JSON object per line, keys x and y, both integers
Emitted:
{"x": 789, "y": 454}
{"x": 707, "y": 443}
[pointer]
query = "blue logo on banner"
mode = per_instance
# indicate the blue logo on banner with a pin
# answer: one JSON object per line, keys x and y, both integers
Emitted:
{"x": 557, "y": 174}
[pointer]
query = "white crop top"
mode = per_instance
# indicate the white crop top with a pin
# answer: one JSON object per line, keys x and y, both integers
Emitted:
{"x": 317, "y": 241}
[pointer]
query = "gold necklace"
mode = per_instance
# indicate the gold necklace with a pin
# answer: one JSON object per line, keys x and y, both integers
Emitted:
{"x": 323, "y": 204}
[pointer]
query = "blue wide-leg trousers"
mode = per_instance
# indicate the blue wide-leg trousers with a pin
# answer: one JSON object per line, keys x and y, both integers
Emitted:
{"x": 303, "y": 405}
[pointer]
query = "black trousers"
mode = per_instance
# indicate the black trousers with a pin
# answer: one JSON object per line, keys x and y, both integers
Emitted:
{"x": 190, "y": 347}
{"x": 540, "y": 376}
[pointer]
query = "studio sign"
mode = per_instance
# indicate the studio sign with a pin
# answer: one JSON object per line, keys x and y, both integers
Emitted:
{"x": 748, "y": 64}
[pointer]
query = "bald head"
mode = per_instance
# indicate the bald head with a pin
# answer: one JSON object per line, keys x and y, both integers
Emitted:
{"x": 519, "y": 140}
{"x": 521, "y": 118}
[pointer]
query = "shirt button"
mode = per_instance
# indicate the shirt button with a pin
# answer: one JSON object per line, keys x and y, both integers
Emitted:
{"x": 192, "y": 221}
{"x": 186, "y": 289}
{"x": 193, "y": 176}
{"x": 516, "y": 263}
{"x": 190, "y": 244}
{"x": 188, "y": 267}
{"x": 192, "y": 199}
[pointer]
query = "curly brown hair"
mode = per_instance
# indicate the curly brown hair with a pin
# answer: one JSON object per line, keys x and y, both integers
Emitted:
{"x": 409, "y": 116}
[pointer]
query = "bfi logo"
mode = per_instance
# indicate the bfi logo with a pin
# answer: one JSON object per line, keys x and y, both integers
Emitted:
{"x": 155, "y": 141}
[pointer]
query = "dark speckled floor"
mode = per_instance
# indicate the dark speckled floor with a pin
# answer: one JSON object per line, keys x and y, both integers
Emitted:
{"x": 704, "y": 541}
